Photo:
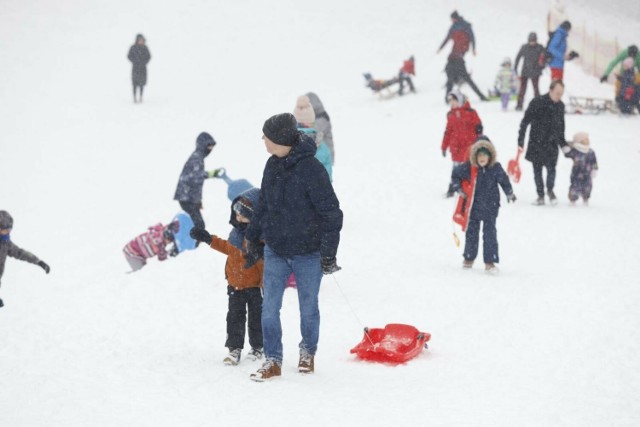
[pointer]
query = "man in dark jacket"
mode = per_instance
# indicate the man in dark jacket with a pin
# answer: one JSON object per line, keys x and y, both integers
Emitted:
{"x": 462, "y": 35}
{"x": 533, "y": 57}
{"x": 189, "y": 190}
{"x": 139, "y": 56}
{"x": 8, "y": 248}
{"x": 299, "y": 216}
{"x": 545, "y": 114}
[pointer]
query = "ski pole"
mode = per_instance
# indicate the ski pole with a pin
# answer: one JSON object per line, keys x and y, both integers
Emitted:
{"x": 366, "y": 330}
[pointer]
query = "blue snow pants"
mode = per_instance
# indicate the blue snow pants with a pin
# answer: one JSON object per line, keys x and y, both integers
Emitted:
{"x": 489, "y": 240}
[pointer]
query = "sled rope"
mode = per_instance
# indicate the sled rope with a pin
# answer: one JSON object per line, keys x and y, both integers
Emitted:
{"x": 366, "y": 330}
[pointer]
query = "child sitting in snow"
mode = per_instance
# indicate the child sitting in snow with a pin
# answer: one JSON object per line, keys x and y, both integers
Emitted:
{"x": 486, "y": 201}
{"x": 585, "y": 167}
{"x": 463, "y": 128}
{"x": 244, "y": 284}
{"x": 149, "y": 244}
{"x": 629, "y": 97}
{"x": 506, "y": 83}
{"x": 305, "y": 116}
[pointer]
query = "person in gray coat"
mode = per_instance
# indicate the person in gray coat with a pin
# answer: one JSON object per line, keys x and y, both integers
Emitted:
{"x": 189, "y": 190}
{"x": 139, "y": 56}
{"x": 533, "y": 63}
{"x": 8, "y": 248}
{"x": 322, "y": 124}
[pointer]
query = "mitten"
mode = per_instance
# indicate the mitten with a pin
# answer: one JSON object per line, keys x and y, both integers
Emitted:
{"x": 44, "y": 266}
{"x": 573, "y": 54}
{"x": 329, "y": 265}
{"x": 174, "y": 251}
{"x": 201, "y": 235}
{"x": 254, "y": 253}
{"x": 594, "y": 173}
{"x": 511, "y": 198}
{"x": 604, "y": 78}
{"x": 444, "y": 153}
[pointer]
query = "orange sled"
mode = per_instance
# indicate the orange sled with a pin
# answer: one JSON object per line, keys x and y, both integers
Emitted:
{"x": 396, "y": 343}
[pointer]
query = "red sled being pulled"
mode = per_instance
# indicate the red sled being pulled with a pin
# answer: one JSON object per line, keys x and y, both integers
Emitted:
{"x": 396, "y": 343}
{"x": 465, "y": 201}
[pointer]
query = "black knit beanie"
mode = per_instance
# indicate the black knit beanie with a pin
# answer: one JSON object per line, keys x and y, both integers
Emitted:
{"x": 281, "y": 129}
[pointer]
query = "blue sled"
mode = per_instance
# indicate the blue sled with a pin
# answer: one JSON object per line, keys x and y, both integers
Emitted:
{"x": 235, "y": 186}
{"x": 184, "y": 242}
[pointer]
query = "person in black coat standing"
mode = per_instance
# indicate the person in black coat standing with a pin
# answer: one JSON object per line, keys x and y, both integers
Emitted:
{"x": 299, "y": 216}
{"x": 533, "y": 57}
{"x": 139, "y": 56}
{"x": 545, "y": 114}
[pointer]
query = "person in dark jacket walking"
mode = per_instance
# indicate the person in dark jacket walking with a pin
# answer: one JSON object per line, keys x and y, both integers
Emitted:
{"x": 299, "y": 216}
{"x": 545, "y": 114}
{"x": 189, "y": 190}
{"x": 244, "y": 284}
{"x": 533, "y": 63}
{"x": 485, "y": 204}
{"x": 8, "y": 248}
{"x": 462, "y": 35}
{"x": 139, "y": 56}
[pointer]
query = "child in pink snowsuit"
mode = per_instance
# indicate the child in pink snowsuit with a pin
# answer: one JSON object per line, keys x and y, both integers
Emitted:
{"x": 148, "y": 245}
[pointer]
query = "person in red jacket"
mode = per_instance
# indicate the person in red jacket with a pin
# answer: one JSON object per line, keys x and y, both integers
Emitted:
{"x": 463, "y": 128}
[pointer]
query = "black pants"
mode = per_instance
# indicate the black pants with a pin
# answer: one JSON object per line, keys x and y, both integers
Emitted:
{"x": 402, "y": 78}
{"x": 239, "y": 301}
{"x": 134, "y": 91}
{"x": 489, "y": 240}
{"x": 537, "y": 177}
{"x": 193, "y": 209}
{"x": 457, "y": 73}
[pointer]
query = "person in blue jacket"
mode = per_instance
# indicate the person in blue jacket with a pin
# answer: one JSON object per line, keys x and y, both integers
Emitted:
{"x": 558, "y": 50}
{"x": 486, "y": 202}
{"x": 189, "y": 189}
{"x": 299, "y": 217}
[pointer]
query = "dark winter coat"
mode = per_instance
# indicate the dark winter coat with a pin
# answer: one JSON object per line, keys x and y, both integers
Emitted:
{"x": 8, "y": 248}
{"x": 584, "y": 163}
{"x": 547, "y": 130}
{"x": 463, "y": 128}
{"x": 193, "y": 174}
{"x": 628, "y": 97}
{"x": 486, "y": 196}
{"x": 462, "y": 36}
{"x": 139, "y": 56}
{"x": 558, "y": 48}
{"x": 534, "y": 61}
{"x": 298, "y": 212}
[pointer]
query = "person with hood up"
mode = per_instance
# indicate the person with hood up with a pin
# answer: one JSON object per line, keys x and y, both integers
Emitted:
{"x": 10, "y": 249}
{"x": 533, "y": 62}
{"x": 189, "y": 189}
{"x": 322, "y": 124}
{"x": 139, "y": 56}
{"x": 244, "y": 284}
{"x": 545, "y": 114}
{"x": 299, "y": 216}
{"x": 462, "y": 35}
{"x": 486, "y": 202}
{"x": 305, "y": 116}
{"x": 463, "y": 128}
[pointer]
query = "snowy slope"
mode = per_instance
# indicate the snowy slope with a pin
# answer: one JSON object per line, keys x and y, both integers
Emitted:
{"x": 552, "y": 340}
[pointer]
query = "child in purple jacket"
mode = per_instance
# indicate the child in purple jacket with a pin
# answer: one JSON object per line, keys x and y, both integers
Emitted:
{"x": 585, "y": 167}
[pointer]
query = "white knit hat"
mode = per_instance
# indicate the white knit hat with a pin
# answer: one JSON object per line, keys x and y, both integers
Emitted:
{"x": 303, "y": 111}
{"x": 581, "y": 142}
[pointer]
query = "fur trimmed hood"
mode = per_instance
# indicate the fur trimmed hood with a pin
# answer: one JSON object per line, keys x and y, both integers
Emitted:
{"x": 483, "y": 142}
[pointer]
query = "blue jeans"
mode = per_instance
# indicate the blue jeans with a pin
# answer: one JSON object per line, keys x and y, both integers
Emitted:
{"x": 277, "y": 270}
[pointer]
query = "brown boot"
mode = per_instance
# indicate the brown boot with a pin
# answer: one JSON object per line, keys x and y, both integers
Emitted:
{"x": 305, "y": 365}
{"x": 467, "y": 263}
{"x": 491, "y": 268}
{"x": 270, "y": 368}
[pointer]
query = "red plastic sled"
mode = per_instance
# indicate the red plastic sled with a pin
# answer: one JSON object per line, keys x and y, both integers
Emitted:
{"x": 396, "y": 343}
{"x": 513, "y": 168}
{"x": 463, "y": 208}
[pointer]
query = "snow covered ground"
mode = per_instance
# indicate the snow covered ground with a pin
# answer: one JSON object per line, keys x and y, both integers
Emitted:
{"x": 552, "y": 341}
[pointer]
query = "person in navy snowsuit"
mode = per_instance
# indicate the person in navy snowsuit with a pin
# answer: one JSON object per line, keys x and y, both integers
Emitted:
{"x": 299, "y": 216}
{"x": 189, "y": 190}
{"x": 486, "y": 201}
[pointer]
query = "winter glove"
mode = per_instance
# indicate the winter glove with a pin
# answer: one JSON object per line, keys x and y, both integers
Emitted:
{"x": 254, "y": 253}
{"x": 44, "y": 266}
{"x": 200, "y": 235}
{"x": 511, "y": 198}
{"x": 174, "y": 251}
{"x": 604, "y": 78}
{"x": 565, "y": 149}
{"x": 329, "y": 265}
{"x": 215, "y": 173}
{"x": 461, "y": 193}
{"x": 444, "y": 153}
{"x": 573, "y": 54}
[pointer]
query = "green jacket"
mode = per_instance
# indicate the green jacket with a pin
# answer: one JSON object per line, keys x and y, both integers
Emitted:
{"x": 618, "y": 59}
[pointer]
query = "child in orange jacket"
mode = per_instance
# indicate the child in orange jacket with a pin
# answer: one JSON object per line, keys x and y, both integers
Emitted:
{"x": 244, "y": 284}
